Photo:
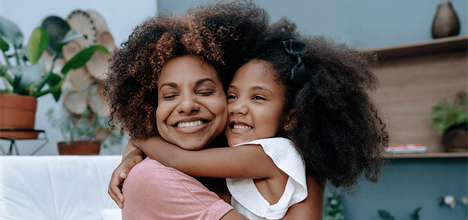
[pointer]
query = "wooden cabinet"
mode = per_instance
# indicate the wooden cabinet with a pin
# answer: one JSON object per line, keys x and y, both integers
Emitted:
{"x": 414, "y": 78}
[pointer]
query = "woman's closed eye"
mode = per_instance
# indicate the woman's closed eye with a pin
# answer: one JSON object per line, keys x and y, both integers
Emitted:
{"x": 206, "y": 92}
{"x": 169, "y": 96}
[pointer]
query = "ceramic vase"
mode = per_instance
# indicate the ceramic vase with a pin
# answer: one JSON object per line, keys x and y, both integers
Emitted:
{"x": 446, "y": 22}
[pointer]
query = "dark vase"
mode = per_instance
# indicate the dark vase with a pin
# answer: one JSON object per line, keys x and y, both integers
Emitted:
{"x": 446, "y": 22}
{"x": 455, "y": 139}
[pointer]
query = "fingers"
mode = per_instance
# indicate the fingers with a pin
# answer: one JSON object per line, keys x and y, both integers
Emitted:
{"x": 115, "y": 198}
{"x": 115, "y": 186}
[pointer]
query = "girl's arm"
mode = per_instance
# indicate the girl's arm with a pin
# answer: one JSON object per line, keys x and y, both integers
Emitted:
{"x": 246, "y": 161}
{"x": 129, "y": 148}
{"x": 131, "y": 156}
{"x": 312, "y": 206}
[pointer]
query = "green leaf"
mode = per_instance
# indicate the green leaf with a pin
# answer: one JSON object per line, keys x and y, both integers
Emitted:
{"x": 82, "y": 57}
{"x": 25, "y": 76}
{"x": 69, "y": 37}
{"x": 11, "y": 33}
{"x": 37, "y": 44}
{"x": 53, "y": 80}
{"x": 4, "y": 46}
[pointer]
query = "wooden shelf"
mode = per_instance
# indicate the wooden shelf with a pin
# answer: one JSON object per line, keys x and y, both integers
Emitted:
{"x": 429, "y": 155}
{"x": 440, "y": 45}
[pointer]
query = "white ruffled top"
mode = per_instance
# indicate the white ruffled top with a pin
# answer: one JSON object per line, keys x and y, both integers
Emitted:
{"x": 246, "y": 198}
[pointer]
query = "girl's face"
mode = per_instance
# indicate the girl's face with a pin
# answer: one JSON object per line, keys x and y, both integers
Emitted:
{"x": 192, "y": 108}
{"x": 255, "y": 104}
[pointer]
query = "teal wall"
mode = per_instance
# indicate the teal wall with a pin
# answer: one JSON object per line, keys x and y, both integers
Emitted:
{"x": 360, "y": 23}
{"x": 406, "y": 183}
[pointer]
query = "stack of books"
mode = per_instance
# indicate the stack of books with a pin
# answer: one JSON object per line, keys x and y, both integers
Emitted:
{"x": 406, "y": 149}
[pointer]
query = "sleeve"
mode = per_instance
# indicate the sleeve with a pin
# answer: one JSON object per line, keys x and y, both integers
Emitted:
{"x": 154, "y": 191}
{"x": 285, "y": 156}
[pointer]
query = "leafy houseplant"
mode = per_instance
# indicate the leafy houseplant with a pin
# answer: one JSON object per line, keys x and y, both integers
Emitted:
{"x": 450, "y": 120}
{"x": 24, "y": 78}
{"x": 87, "y": 128}
{"x": 445, "y": 114}
{"x": 333, "y": 208}
{"x": 385, "y": 215}
{"x": 27, "y": 76}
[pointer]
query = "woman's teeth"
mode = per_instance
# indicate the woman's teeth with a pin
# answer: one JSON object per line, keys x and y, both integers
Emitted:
{"x": 242, "y": 127}
{"x": 189, "y": 124}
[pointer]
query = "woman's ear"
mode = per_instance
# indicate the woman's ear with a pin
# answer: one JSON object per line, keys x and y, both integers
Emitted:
{"x": 290, "y": 121}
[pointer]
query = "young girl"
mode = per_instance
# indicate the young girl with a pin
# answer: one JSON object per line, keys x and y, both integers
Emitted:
{"x": 302, "y": 101}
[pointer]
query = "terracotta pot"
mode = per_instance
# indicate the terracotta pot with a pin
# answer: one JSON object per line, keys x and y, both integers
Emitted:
{"x": 79, "y": 148}
{"x": 17, "y": 112}
{"x": 455, "y": 138}
{"x": 446, "y": 22}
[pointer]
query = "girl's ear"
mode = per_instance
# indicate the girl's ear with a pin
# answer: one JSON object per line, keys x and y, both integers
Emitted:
{"x": 290, "y": 121}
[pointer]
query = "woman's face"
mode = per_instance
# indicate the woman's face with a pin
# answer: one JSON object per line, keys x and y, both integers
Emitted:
{"x": 192, "y": 107}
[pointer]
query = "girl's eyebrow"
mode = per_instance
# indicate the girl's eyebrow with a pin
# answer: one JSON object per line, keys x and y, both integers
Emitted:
{"x": 261, "y": 88}
{"x": 253, "y": 88}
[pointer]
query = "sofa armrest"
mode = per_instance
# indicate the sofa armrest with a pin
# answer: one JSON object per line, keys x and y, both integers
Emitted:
{"x": 55, "y": 187}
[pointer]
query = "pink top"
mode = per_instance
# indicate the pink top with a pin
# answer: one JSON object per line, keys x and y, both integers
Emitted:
{"x": 154, "y": 191}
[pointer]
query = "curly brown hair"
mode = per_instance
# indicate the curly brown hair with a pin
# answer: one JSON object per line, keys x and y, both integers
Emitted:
{"x": 336, "y": 127}
{"x": 206, "y": 31}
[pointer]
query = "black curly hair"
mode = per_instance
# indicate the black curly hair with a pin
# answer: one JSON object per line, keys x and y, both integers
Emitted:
{"x": 336, "y": 127}
{"x": 207, "y": 31}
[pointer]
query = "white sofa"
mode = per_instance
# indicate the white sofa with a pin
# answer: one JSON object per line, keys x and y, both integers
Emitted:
{"x": 57, "y": 187}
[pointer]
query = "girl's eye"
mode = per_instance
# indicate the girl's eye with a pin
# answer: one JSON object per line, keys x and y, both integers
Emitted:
{"x": 258, "y": 98}
{"x": 231, "y": 97}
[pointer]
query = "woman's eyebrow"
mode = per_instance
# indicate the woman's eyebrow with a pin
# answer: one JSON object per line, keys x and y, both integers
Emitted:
{"x": 204, "y": 80}
{"x": 170, "y": 84}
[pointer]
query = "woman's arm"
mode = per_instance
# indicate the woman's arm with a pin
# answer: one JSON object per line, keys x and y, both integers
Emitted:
{"x": 312, "y": 207}
{"x": 246, "y": 161}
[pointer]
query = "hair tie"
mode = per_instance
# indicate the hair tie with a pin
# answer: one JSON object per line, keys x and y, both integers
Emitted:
{"x": 299, "y": 72}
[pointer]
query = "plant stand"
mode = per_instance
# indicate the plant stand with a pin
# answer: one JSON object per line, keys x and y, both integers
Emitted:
{"x": 14, "y": 147}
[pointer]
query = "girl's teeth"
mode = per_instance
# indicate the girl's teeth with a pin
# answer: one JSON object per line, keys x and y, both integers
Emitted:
{"x": 242, "y": 127}
{"x": 189, "y": 124}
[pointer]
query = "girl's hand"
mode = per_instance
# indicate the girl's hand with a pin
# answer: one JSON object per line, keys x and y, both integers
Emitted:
{"x": 120, "y": 173}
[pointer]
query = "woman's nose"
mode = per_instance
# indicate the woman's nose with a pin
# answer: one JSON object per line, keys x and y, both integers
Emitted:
{"x": 188, "y": 104}
{"x": 238, "y": 107}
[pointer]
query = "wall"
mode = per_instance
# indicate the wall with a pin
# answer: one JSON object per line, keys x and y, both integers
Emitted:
{"x": 407, "y": 184}
{"x": 360, "y": 23}
{"x": 121, "y": 17}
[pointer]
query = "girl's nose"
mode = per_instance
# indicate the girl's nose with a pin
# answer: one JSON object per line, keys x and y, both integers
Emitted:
{"x": 188, "y": 104}
{"x": 238, "y": 107}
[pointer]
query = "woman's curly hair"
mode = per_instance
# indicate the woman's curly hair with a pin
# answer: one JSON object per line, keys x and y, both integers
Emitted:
{"x": 336, "y": 127}
{"x": 206, "y": 31}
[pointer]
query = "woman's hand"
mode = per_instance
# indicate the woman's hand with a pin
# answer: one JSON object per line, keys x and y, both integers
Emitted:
{"x": 121, "y": 172}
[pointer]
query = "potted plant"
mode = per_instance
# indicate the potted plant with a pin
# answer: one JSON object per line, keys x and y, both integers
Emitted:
{"x": 333, "y": 208}
{"x": 83, "y": 134}
{"x": 450, "y": 121}
{"x": 24, "y": 79}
